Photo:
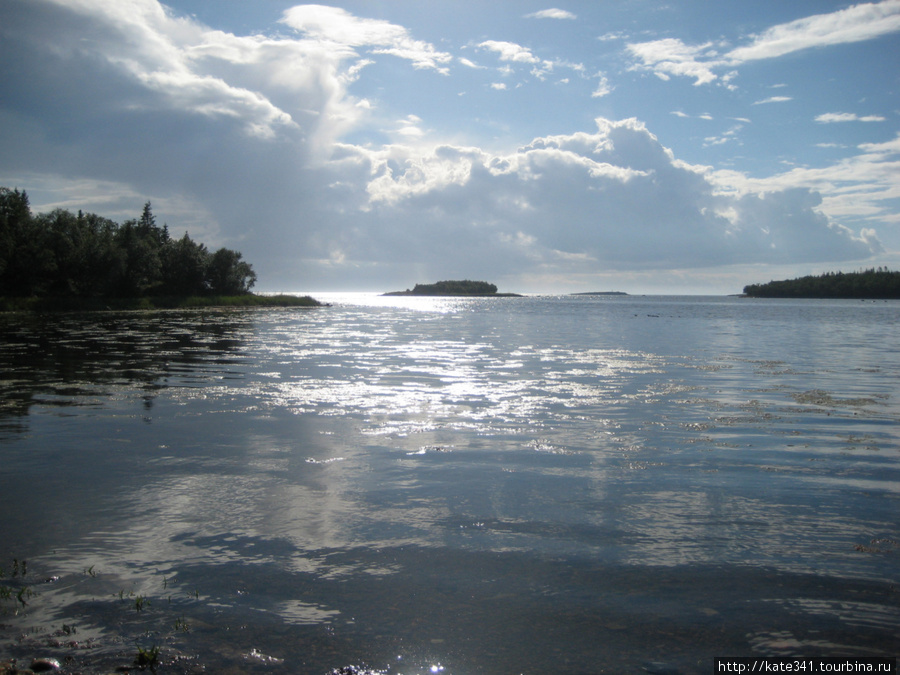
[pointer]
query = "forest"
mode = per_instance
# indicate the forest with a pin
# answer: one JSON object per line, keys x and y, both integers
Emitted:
{"x": 465, "y": 287}
{"x": 455, "y": 288}
{"x": 879, "y": 283}
{"x": 61, "y": 254}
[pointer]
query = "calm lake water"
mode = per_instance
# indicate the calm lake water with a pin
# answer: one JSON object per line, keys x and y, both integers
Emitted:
{"x": 506, "y": 485}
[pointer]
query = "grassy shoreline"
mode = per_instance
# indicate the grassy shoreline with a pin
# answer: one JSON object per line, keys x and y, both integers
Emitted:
{"x": 63, "y": 304}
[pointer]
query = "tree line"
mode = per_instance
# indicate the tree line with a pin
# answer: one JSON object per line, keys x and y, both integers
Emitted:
{"x": 880, "y": 283}
{"x": 465, "y": 287}
{"x": 83, "y": 255}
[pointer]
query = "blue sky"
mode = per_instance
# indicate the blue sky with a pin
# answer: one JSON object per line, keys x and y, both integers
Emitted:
{"x": 687, "y": 146}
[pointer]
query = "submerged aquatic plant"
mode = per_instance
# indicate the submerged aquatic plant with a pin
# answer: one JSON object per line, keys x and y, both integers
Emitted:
{"x": 21, "y": 593}
{"x": 19, "y": 567}
{"x": 147, "y": 658}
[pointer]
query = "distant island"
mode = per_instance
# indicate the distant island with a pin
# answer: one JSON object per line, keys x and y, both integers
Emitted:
{"x": 602, "y": 293}
{"x": 456, "y": 288}
{"x": 878, "y": 284}
{"x": 63, "y": 260}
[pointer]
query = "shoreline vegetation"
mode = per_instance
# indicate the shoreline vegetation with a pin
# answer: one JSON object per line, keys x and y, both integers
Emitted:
{"x": 456, "y": 288}
{"x": 66, "y": 261}
{"x": 871, "y": 284}
{"x": 71, "y": 304}
{"x": 601, "y": 293}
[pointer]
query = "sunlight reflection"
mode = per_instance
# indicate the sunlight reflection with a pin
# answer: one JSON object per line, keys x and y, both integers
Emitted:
{"x": 303, "y": 613}
{"x": 439, "y": 304}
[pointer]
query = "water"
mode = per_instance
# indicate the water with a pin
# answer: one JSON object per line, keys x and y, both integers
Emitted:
{"x": 414, "y": 485}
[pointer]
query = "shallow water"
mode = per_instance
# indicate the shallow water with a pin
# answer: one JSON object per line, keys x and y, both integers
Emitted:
{"x": 505, "y": 485}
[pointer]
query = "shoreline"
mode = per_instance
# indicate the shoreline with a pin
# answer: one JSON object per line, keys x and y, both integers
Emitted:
{"x": 64, "y": 304}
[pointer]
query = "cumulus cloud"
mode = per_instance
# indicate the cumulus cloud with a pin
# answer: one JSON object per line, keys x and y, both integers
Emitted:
{"x": 612, "y": 198}
{"x": 858, "y": 188}
{"x": 256, "y": 139}
{"x": 141, "y": 43}
{"x": 129, "y": 95}
{"x": 551, "y": 14}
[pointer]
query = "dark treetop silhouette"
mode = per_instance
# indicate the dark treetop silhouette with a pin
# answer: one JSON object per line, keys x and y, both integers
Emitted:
{"x": 878, "y": 283}
{"x": 63, "y": 254}
{"x": 84, "y": 261}
{"x": 454, "y": 288}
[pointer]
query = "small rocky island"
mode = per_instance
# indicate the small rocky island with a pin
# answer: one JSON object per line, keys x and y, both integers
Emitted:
{"x": 456, "y": 288}
{"x": 602, "y": 293}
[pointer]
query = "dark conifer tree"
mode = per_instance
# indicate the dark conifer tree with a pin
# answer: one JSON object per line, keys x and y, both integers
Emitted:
{"x": 84, "y": 255}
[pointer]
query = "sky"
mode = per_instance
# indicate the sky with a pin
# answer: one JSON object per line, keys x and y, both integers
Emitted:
{"x": 563, "y": 146}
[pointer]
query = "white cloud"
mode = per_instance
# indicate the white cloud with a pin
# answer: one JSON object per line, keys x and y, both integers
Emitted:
{"x": 213, "y": 97}
{"x": 614, "y": 198}
{"x": 729, "y": 136}
{"x": 510, "y": 51}
{"x": 672, "y": 57}
{"x": 140, "y": 41}
{"x": 551, "y": 14}
{"x": 854, "y": 24}
{"x": 773, "y": 99}
{"x": 512, "y": 54}
{"x": 857, "y": 188}
{"x": 410, "y": 127}
{"x": 471, "y": 64}
{"x": 603, "y": 88}
{"x": 253, "y": 132}
{"x": 338, "y": 26}
{"x": 828, "y": 118}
